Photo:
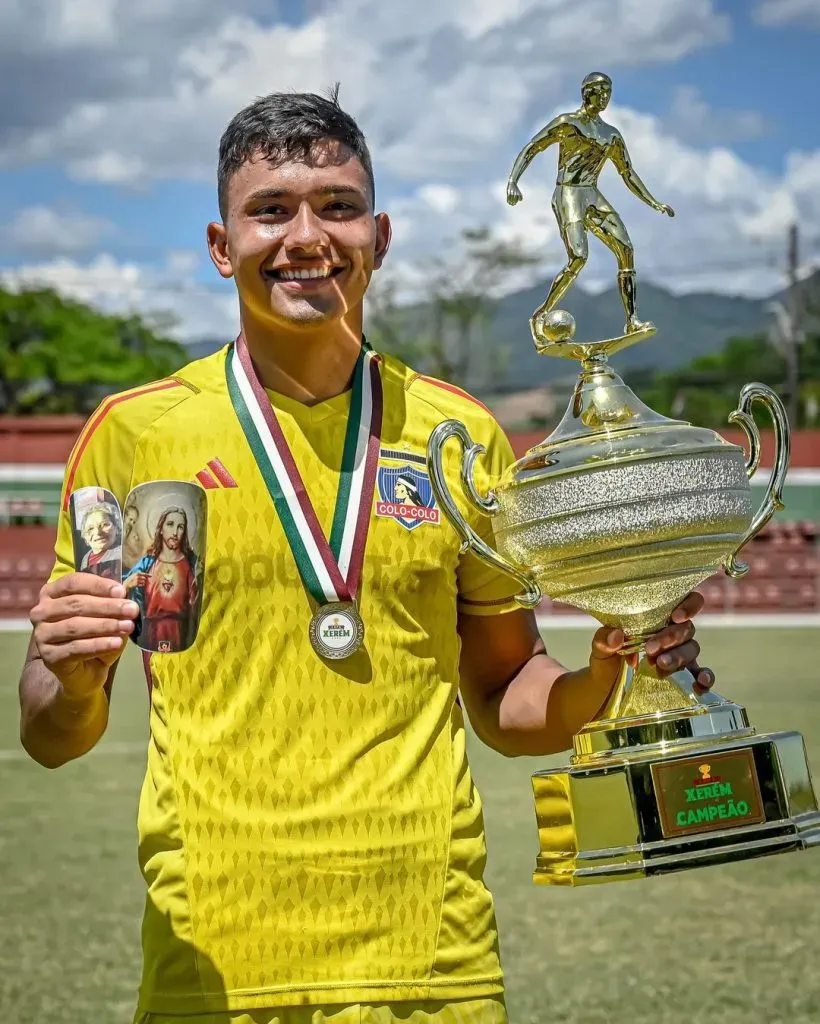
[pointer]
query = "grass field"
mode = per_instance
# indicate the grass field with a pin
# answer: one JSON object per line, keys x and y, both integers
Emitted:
{"x": 717, "y": 946}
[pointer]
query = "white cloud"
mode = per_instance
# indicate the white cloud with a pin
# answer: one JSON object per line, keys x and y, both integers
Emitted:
{"x": 728, "y": 233}
{"x": 109, "y": 168}
{"x": 123, "y": 287}
{"x": 438, "y": 94}
{"x": 441, "y": 198}
{"x": 446, "y": 98}
{"x": 782, "y": 12}
{"x": 42, "y": 230}
{"x": 85, "y": 22}
{"x": 693, "y": 120}
{"x": 731, "y": 221}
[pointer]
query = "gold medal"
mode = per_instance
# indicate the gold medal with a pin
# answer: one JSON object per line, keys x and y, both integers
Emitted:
{"x": 336, "y": 630}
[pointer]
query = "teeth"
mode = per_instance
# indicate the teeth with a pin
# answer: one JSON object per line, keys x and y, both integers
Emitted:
{"x": 304, "y": 275}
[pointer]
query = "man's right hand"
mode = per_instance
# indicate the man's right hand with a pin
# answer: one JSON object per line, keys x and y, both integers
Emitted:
{"x": 513, "y": 193}
{"x": 81, "y": 623}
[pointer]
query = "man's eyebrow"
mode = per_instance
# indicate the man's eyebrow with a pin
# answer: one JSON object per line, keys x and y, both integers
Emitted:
{"x": 284, "y": 193}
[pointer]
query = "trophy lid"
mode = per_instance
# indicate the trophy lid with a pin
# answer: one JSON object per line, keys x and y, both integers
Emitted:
{"x": 606, "y": 424}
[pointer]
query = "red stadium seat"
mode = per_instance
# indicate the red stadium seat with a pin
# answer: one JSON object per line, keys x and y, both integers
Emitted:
{"x": 809, "y": 530}
{"x": 714, "y": 594}
{"x": 751, "y": 596}
{"x": 760, "y": 565}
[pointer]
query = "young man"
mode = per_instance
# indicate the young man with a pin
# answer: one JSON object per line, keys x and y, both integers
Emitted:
{"x": 310, "y": 836}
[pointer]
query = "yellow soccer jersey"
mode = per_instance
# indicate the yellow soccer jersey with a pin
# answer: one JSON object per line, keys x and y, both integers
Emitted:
{"x": 309, "y": 831}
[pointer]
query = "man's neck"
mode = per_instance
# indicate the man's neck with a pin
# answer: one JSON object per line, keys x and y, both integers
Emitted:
{"x": 306, "y": 366}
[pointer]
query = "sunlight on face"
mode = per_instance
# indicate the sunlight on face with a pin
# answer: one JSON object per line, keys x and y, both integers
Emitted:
{"x": 301, "y": 237}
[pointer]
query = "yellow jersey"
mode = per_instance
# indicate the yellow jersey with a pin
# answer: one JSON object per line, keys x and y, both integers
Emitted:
{"x": 309, "y": 831}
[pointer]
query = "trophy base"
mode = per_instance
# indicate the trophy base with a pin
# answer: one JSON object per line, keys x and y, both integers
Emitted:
{"x": 587, "y": 351}
{"x": 691, "y": 802}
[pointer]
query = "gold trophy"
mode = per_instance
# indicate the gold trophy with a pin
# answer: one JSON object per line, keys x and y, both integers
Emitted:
{"x": 621, "y": 512}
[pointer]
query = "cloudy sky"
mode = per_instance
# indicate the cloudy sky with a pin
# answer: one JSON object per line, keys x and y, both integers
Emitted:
{"x": 111, "y": 112}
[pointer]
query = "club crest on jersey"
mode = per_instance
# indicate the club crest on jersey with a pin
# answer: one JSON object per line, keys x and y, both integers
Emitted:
{"x": 405, "y": 494}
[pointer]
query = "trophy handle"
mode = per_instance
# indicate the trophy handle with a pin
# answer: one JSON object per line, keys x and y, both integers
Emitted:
{"x": 487, "y": 504}
{"x": 773, "y": 501}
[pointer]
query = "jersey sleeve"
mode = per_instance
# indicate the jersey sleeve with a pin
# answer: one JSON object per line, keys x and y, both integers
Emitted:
{"x": 483, "y": 589}
{"x": 105, "y": 452}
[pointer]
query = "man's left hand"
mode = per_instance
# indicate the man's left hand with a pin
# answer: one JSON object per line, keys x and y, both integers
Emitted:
{"x": 670, "y": 650}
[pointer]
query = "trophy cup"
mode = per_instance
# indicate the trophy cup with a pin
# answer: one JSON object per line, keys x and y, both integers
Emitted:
{"x": 621, "y": 512}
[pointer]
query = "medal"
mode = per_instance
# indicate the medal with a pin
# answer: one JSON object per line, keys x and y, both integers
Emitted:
{"x": 330, "y": 570}
{"x": 336, "y": 630}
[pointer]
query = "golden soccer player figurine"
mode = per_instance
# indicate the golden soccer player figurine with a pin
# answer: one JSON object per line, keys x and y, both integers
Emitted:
{"x": 585, "y": 142}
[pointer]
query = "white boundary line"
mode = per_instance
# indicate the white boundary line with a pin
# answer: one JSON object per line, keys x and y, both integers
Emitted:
{"x": 31, "y": 472}
{"x": 794, "y": 476}
{"x": 752, "y": 620}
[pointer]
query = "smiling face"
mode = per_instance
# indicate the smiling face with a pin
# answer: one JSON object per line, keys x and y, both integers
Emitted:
{"x": 99, "y": 532}
{"x": 300, "y": 237}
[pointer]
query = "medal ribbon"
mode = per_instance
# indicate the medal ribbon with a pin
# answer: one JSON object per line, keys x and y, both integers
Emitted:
{"x": 330, "y": 571}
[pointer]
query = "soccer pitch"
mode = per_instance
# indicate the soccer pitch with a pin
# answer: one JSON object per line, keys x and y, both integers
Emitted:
{"x": 720, "y": 945}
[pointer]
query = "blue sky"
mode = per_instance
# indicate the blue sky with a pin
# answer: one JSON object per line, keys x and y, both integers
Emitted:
{"x": 110, "y": 119}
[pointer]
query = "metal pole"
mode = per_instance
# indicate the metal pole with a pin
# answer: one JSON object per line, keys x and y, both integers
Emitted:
{"x": 792, "y": 341}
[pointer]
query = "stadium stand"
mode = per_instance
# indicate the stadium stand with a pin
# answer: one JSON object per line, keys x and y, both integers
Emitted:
{"x": 784, "y": 561}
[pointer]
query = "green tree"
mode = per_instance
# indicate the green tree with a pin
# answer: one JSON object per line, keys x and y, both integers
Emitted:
{"x": 465, "y": 292}
{"x": 440, "y": 335}
{"x": 391, "y": 326}
{"x": 707, "y": 390}
{"x": 61, "y": 356}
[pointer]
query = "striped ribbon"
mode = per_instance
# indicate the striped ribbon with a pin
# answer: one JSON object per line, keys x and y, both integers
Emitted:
{"x": 330, "y": 571}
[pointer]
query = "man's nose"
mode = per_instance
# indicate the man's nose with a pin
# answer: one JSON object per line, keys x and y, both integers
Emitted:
{"x": 306, "y": 230}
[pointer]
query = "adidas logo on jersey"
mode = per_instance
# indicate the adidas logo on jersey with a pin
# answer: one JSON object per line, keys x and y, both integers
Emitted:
{"x": 215, "y": 475}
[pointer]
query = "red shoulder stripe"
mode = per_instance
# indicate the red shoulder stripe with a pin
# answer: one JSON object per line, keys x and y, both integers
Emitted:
{"x": 106, "y": 407}
{"x": 222, "y": 475}
{"x": 206, "y": 480}
{"x": 455, "y": 391}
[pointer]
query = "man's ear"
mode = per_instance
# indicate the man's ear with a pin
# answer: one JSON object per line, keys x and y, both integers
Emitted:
{"x": 384, "y": 232}
{"x": 217, "y": 236}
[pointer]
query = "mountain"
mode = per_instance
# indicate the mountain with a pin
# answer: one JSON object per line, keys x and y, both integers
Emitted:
{"x": 206, "y": 347}
{"x": 689, "y": 326}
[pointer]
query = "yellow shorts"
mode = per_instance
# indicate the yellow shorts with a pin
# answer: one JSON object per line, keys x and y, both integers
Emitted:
{"x": 489, "y": 1010}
